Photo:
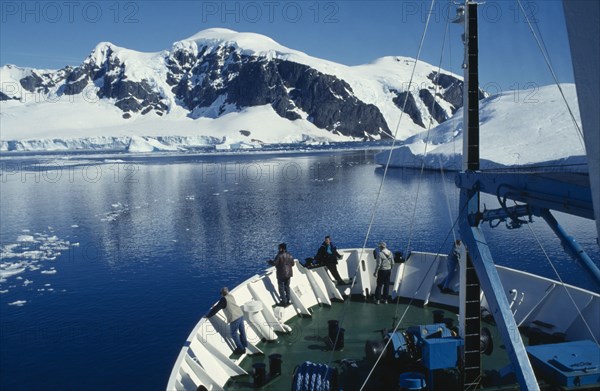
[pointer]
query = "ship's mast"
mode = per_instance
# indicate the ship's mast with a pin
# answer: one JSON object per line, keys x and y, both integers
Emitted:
{"x": 471, "y": 90}
{"x": 470, "y": 303}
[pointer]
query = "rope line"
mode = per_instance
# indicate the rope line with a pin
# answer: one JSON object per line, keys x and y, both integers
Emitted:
{"x": 547, "y": 59}
{"x": 385, "y": 171}
{"x": 412, "y": 220}
{"x": 446, "y": 196}
{"x": 422, "y": 169}
{"x": 562, "y": 282}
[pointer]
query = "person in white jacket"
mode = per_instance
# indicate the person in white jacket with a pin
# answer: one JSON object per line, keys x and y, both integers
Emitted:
{"x": 383, "y": 272}
{"x": 235, "y": 318}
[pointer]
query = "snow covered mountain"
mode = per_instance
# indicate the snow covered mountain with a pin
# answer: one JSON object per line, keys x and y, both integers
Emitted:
{"x": 218, "y": 87}
{"x": 513, "y": 132}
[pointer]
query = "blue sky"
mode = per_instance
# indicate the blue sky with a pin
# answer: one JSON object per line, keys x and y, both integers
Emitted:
{"x": 52, "y": 34}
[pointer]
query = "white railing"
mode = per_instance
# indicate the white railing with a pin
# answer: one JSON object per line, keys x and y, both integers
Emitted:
{"x": 204, "y": 359}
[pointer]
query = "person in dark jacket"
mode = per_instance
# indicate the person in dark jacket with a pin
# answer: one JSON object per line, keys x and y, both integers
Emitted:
{"x": 328, "y": 255}
{"x": 451, "y": 263}
{"x": 235, "y": 318}
{"x": 284, "y": 262}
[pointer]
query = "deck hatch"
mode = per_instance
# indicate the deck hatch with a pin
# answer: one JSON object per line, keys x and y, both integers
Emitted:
{"x": 569, "y": 364}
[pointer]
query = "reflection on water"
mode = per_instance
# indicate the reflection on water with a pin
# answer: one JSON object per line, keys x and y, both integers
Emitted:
{"x": 157, "y": 238}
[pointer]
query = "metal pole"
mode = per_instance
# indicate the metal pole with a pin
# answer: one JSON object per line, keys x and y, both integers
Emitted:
{"x": 571, "y": 246}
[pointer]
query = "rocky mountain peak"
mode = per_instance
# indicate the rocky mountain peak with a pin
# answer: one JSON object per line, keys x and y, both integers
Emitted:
{"x": 101, "y": 53}
{"x": 219, "y": 71}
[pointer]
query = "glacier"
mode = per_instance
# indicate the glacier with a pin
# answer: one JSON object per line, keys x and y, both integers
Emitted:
{"x": 528, "y": 131}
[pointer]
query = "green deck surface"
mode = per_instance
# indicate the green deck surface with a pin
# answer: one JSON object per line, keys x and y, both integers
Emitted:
{"x": 362, "y": 321}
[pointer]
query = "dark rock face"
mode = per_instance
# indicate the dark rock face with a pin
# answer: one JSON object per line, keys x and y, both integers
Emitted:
{"x": 106, "y": 79}
{"x": 212, "y": 81}
{"x": 3, "y": 97}
{"x": 43, "y": 82}
{"x": 330, "y": 102}
{"x": 77, "y": 80}
{"x": 453, "y": 89}
{"x": 410, "y": 108}
{"x": 32, "y": 82}
{"x": 290, "y": 88}
{"x": 109, "y": 76}
{"x": 435, "y": 110}
{"x": 36, "y": 83}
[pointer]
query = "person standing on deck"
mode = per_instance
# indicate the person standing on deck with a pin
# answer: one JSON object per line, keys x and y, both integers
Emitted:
{"x": 383, "y": 272}
{"x": 235, "y": 318}
{"x": 451, "y": 263}
{"x": 329, "y": 256}
{"x": 284, "y": 262}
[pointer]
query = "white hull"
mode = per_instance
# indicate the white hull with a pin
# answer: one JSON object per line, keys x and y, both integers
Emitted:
{"x": 204, "y": 359}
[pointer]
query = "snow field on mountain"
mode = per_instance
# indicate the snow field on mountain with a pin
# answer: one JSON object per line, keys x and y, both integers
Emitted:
{"x": 55, "y": 116}
{"x": 522, "y": 131}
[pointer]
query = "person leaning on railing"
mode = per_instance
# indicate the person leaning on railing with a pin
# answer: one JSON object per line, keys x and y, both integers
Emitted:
{"x": 328, "y": 255}
{"x": 235, "y": 318}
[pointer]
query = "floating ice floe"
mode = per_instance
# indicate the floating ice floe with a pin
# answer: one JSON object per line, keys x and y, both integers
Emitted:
{"x": 33, "y": 254}
{"x": 28, "y": 253}
{"x": 118, "y": 209}
{"x": 18, "y": 303}
{"x": 10, "y": 270}
{"x": 9, "y": 247}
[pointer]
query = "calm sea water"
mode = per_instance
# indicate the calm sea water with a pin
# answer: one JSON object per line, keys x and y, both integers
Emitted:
{"x": 121, "y": 257}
